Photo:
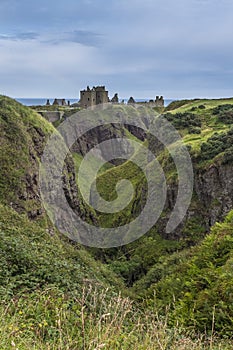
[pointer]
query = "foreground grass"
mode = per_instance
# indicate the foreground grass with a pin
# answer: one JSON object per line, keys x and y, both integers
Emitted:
{"x": 52, "y": 320}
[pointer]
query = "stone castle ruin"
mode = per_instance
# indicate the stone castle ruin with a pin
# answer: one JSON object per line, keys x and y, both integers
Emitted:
{"x": 98, "y": 95}
{"x": 92, "y": 97}
{"x": 158, "y": 102}
{"x": 89, "y": 98}
{"x": 58, "y": 102}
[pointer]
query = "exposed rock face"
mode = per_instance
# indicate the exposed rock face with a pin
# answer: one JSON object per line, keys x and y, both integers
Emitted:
{"x": 140, "y": 133}
{"x": 28, "y": 196}
{"x": 214, "y": 187}
{"x": 23, "y": 136}
{"x": 212, "y": 200}
{"x": 31, "y": 193}
{"x": 97, "y": 136}
{"x": 73, "y": 196}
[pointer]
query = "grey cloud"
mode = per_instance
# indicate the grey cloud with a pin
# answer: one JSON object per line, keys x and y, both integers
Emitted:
{"x": 83, "y": 37}
{"x": 19, "y": 36}
{"x": 164, "y": 46}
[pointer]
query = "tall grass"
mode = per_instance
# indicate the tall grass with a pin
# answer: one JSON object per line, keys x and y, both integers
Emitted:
{"x": 97, "y": 320}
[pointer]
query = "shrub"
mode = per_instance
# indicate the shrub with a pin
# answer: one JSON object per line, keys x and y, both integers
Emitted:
{"x": 217, "y": 144}
{"x": 224, "y": 113}
{"x": 195, "y": 130}
{"x": 183, "y": 120}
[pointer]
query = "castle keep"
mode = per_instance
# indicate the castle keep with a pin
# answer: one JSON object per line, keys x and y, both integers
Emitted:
{"x": 92, "y": 97}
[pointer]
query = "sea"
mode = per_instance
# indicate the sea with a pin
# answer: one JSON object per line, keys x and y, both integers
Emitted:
{"x": 42, "y": 101}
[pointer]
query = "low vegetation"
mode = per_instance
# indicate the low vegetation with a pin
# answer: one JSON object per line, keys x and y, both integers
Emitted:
{"x": 156, "y": 293}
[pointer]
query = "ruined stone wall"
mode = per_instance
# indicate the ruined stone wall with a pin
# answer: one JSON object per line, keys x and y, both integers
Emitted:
{"x": 158, "y": 102}
{"x": 101, "y": 97}
{"x": 87, "y": 98}
{"x": 52, "y": 116}
{"x": 91, "y": 97}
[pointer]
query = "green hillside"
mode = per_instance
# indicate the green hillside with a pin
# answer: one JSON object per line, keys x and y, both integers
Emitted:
{"x": 23, "y": 134}
{"x": 197, "y": 283}
{"x": 160, "y": 292}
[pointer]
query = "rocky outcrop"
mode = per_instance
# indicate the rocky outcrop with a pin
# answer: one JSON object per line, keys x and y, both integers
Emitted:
{"x": 214, "y": 188}
{"x": 100, "y": 134}
{"x": 27, "y": 197}
{"x": 212, "y": 199}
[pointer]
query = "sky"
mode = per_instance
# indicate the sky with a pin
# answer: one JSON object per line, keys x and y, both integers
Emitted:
{"x": 140, "y": 48}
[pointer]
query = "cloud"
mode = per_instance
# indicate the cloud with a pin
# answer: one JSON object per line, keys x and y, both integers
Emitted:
{"x": 83, "y": 37}
{"x": 19, "y": 36}
{"x": 137, "y": 47}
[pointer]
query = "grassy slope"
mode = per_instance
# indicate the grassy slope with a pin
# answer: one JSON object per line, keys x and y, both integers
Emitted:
{"x": 18, "y": 126}
{"x": 59, "y": 302}
{"x": 199, "y": 286}
{"x": 209, "y": 126}
{"x": 210, "y": 123}
{"x": 31, "y": 258}
{"x": 52, "y": 291}
{"x": 22, "y": 137}
{"x": 158, "y": 258}
{"x": 184, "y": 105}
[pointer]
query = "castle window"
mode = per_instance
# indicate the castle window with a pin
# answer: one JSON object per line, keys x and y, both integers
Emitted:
{"x": 88, "y": 99}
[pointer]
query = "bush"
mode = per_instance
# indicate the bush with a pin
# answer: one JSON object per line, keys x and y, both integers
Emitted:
{"x": 217, "y": 144}
{"x": 183, "y": 120}
{"x": 224, "y": 113}
{"x": 195, "y": 130}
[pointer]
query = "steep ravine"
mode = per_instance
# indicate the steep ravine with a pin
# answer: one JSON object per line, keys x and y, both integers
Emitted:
{"x": 213, "y": 184}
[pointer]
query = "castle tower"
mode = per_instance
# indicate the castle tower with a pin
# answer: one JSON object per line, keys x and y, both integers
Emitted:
{"x": 87, "y": 98}
{"x": 101, "y": 95}
{"x": 159, "y": 102}
{"x": 92, "y": 97}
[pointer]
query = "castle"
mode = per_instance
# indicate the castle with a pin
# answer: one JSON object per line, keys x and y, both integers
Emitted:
{"x": 92, "y": 97}
{"x": 98, "y": 95}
